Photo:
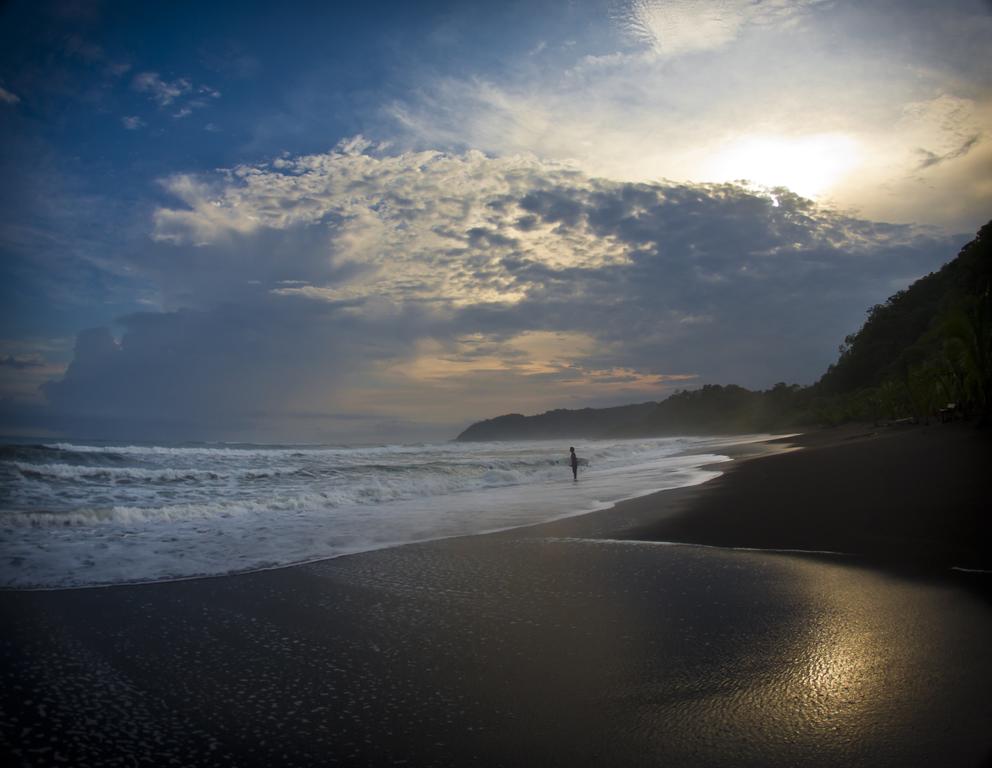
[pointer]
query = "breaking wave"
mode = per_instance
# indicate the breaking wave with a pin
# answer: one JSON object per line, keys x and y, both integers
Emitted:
{"x": 74, "y": 513}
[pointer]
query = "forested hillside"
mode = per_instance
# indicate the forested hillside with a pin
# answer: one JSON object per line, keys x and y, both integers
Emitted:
{"x": 925, "y": 346}
{"x": 586, "y": 422}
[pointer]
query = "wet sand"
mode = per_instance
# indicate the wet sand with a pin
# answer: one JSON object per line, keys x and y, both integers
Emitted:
{"x": 572, "y": 643}
{"x": 910, "y": 497}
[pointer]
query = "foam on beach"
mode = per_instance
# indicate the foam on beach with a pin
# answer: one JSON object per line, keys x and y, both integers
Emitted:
{"x": 74, "y": 514}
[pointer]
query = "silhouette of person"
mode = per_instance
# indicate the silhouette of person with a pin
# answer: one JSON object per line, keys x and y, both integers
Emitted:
{"x": 574, "y": 461}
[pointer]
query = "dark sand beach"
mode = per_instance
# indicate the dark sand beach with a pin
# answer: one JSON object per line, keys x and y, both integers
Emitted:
{"x": 580, "y": 642}
{"x": 912, "y": 497}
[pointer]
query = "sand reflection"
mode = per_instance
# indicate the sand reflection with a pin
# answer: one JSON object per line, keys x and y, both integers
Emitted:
{"x": 837, "y": 682}
{"x": 830, "y": 659}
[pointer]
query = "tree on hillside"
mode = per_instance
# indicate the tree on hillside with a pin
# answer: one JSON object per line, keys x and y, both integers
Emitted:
{"x": 926, "y": 344}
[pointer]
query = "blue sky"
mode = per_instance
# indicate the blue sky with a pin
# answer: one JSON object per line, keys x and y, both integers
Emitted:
{"x": 382, "y": 222}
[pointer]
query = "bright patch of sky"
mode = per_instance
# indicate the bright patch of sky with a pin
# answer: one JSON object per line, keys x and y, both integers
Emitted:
{"x": 321, "y": 222}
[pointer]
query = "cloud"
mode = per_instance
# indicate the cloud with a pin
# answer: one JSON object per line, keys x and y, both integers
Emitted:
{"x": 468, "y": 228}
{"x": 931, "y": 159}
{"x": 931, "y": 164}
{"x": 22, "y": 361}
{"x": 677, "y": 27}
{"x": 6, "y": 97}
{"x": 774, "y": 100}
{"x": 947, "y": 122}
{"x": 168, "y": 92}
{"x": 246, "y": 369}
{"x": 25, "y": 366}
{"x": 435, "y": 288}
{"x": 132, "y": 122}
{"x": 161, "y": 91}
{"x": 423, "y": 226}
{"x": 951, "y": 126}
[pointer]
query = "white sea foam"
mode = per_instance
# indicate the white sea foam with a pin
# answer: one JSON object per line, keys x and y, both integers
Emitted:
{"x": 74, "y": 514}
{"x": 72, "y": 472}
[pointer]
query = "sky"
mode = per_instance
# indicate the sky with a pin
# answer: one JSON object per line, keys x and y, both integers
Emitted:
{"x": 376, "y": 222}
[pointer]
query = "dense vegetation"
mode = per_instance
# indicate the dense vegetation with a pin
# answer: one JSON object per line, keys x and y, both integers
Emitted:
{"x": 715, "y": 409}
{"x": 925, "y": 348}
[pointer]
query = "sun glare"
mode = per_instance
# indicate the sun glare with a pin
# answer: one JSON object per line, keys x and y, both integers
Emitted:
{"x": 808, "y": 165}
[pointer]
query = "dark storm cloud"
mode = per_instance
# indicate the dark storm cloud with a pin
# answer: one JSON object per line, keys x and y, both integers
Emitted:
{"x": 321, "y": 278}
{"x": 731, "y": 284}
{"x": 200, "y": 373}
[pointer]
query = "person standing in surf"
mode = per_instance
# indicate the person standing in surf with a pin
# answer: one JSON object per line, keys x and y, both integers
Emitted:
{"x": 574, "y": 461}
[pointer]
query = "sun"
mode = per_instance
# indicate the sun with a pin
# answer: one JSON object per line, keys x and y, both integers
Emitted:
{"x": 808, "y": 165}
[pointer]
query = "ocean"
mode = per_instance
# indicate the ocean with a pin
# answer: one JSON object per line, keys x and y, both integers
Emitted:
{"x": 75, "y": 514}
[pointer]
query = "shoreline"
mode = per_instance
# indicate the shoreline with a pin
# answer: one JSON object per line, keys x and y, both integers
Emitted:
{"x": 732, "y": 447}
{"x": 671, "y": 516}
{"x": 952, "y": 542}
{"x": 573, "y": 642}
{"x": 908, "y": 497}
